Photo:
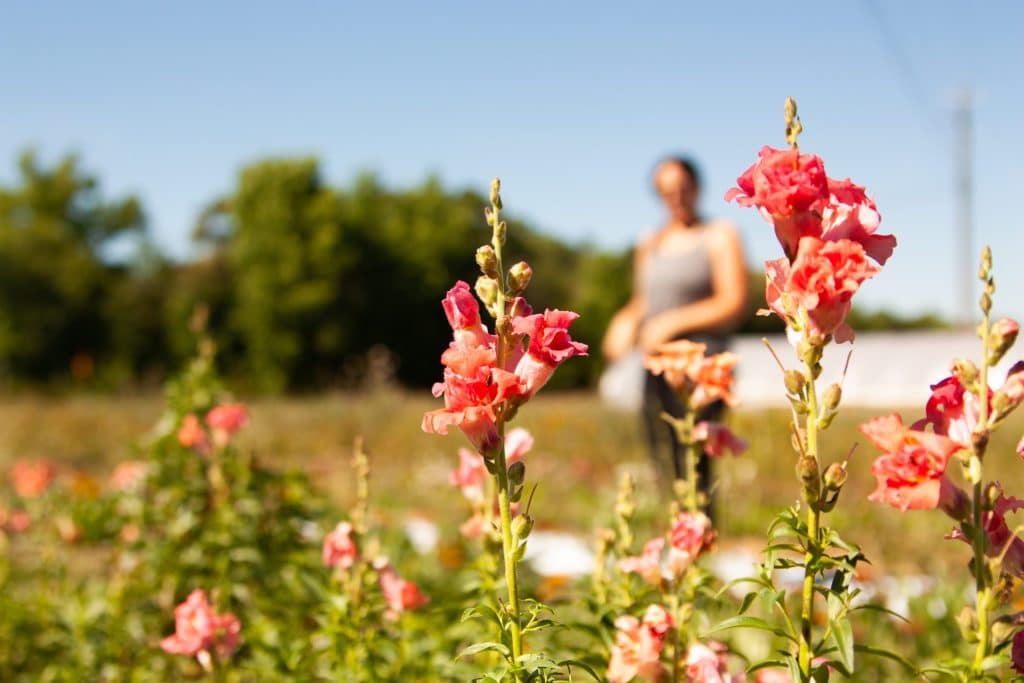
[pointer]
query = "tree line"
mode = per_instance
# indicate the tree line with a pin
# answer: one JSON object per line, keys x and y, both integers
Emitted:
{"x": 303, "y": 286}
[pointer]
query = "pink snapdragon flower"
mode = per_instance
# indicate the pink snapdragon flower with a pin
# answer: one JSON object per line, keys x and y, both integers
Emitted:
{"x": 788, "y": 189}
{"x": 474, "y": 386}
{"x": 647, "y": 564}
{"x": 851, "y": 214}
{"x": 339, "y": 549}
{"x": 690, "y": 536}
{"x": 638, "y": 645}
{"x": 704, "y": 379}
{"x": 201, "y": 633}
{"x": 792, "y": 192}
{"x": 128, "y": 475}
{"x": 821, "y": 280}
{"x": 911, "y": 473}
{"x": 463, "y": 313}
{"x": 952, "y": 411}
{"x": 718, "y": 439}
{"x": 399, "y": 594}
{"x": 550, "y": 345}
{"x": 191, "y": 434}
{"x": 518, "y": 442}
{"x": 470, "y": 475}
{"x": 709, "y": 664}
{"x": 31, "y": 479}
{"x": 225, "y": 420}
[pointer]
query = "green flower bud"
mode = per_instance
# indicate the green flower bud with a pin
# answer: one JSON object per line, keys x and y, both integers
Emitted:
{"x": 519, "y": 276}
{"x": 1001, "y": 337}
{"x": 488, "y": 261}
{"x": 487, "y": 289}
{"x": 522, "y": 525}
{"x": 833, "y": 395}
{"x": 986, "y": 263}
{"x": 496, "y": 193}
{"x": 795, "y": 382}
{"x": 835, "y": 476}
{"x": 810, "y": 479}
{"x": 517, "y": 472}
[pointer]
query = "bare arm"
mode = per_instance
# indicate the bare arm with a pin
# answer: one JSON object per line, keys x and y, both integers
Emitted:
{"x": 718, "y": 311}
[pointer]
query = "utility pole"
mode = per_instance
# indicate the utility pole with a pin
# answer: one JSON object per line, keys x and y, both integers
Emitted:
{"x": 965, "y": 257}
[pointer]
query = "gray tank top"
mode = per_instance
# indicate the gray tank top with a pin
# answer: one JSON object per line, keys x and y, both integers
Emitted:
{"x": 678, "y": 278}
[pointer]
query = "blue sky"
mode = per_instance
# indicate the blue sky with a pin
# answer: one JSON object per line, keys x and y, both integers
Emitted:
{"x": 570, "y": 103}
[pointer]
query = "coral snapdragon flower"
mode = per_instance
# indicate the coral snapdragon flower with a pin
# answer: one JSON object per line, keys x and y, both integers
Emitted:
{"x": 201, "y": 633}
{"x": 912, "y": 473}
{"x": 638, "y": 645}
{"x": 550, "y": 345}
{"x": 705, "y": 379}
{"x": 339, "y": 549}
{"x": 31, "y": 479}
{"x": 399, "y": 594}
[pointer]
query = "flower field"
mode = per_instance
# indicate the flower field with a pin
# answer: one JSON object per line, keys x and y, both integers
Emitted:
{"x": 342, "y": 538}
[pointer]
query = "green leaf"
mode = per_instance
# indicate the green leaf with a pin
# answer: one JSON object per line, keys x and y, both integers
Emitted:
{"x": 750, "y": 622}
{"x": 842, "y": 635}
{"x": 881, "y": 608}
{"x": 880, "y": 652}
{"x": 582, "y": 665}
{"x": 477, "y": 648}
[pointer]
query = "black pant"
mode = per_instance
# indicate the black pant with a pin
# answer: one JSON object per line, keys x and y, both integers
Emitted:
{"x": 667, "y": 454}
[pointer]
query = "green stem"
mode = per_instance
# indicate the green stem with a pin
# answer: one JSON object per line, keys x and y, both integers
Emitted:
{"x": 980, "y": 545}
{"x": 508, "y": 546}
{"x": 813, "y": 524}
{"x": 692, "y": 483}
{"x": 508, "y": 541}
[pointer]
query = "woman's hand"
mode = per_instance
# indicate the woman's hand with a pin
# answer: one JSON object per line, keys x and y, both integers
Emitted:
{"x": 621, "y": 335}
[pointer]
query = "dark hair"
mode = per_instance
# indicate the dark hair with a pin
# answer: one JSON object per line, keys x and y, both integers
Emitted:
{"x": 686, "y": 163}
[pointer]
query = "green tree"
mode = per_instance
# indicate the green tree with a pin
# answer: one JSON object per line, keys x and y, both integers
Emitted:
{"x": 54, "y": 225}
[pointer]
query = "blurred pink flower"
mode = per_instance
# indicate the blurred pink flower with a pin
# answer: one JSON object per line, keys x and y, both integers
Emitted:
{"x": 911, "y": 474}
{"x": 473, "y": 527}
{"x": 339, "y": 549}
{"x": 128, "y": 475}
{"x": 647, "y": 564}
{"x": 708, "y": 664}
{"x": 550, "y": 345}
{"x": 399, "y": 594}
{"x": 192, "y": 435}
{"x": 225, "y": 420}
{"x": 718, "y": 439}
{"x": 691, "y": 534}
{"x": 31, "y": 479}
{"x": 705, "y": 379}
{"x": 772, "y": 676}
{"x": 518, "y": 442}
{"x": 200, "y": 632}
{"x": 1020, "y": 447}
{"x": 18, "y": 521}
{"x": 469, "y": 475}
{"x": 638, "y": 645}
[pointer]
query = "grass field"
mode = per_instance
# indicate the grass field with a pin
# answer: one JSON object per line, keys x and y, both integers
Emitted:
{"x": 581, "y": 449}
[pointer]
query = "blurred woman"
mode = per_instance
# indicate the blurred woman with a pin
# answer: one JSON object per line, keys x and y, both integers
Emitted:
{"x": 689, "y": 282}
